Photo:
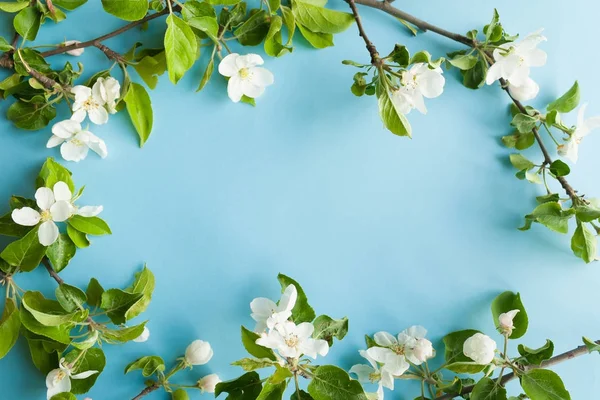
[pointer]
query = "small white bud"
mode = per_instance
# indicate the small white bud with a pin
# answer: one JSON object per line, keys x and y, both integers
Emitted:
{"x": 208, "y": 383}
{"x": 74, "y": 52}
{"x": 480, "y": 348}
{"x": 505, "y": 322}
{"x": 198, "y": 352}
{"x": 144, "y": 336}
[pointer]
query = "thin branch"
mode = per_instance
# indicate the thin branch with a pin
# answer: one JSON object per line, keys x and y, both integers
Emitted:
{"x": 109, "y": 53}
{"x": 386, "y": 7}
{"x": 146, "y": 391}
{"x": 568, "y": 355}
{"x": 51, "y": 271}
{"x": 375, "y": 59}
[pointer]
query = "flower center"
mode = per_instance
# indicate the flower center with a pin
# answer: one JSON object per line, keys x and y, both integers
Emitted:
{"x": 90, "y": 104}
{"x": 244, "y": 73}
{"x": 398, "y": 349}
{"x": 59, "y": 377}
{"x": 77, "y": 142}
{"x": 46, "y": 216}
{"x": 375, "y": 376}
{"x": 292, "y": 341}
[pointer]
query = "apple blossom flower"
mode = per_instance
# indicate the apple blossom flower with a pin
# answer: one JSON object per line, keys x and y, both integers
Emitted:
{"x": 419, "y": 349}
{"x": 373, "y": 374}
{"x": 480, "y": 348}
{"x": 292, "y": 341}
{"x": 74, "y": 141}
{"x": 267, "y": 314}
{"x": 62, "y": 192}
{"x": 505, "y": 322}
{"x": 418, "y": 82}
{"x": 54, "y": 207}
{"x": 527, "y": 91}
{"x": 198, "y": 352}
{"x": 110, "y": 91}
{"x": 570, "y": 149}
{"x": 74, "y": 52}
{"x": 514, "y": 59}
{"x": 245, "y": 77}
{"x": 208, "y": 383}
{"x": 59, "y": 380}
{"x": 143, "y": 336}
{"x": 89, "y": 102}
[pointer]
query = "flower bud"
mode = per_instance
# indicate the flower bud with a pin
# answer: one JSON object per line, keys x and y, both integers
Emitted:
{"x": 208, "y": 383}
{"x": 198, "y": 352}
{"x": 422, "y": 350}
{"x": 74, "y": 52}
{"x": 144, "y": 336}
{"x": 480, "y": 348}
{"x": 505, "y": 322}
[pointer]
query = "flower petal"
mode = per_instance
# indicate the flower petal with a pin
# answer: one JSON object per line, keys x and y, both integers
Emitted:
{"x": 84, "y": 375}
{"x": 227, "y": 66}
{"x": 234, "y": 88}
{"x": 78, "y": 114}
{"x": 249, "y": 61}
{"x": 262, "y": 77}
{"x": 384, "y": 339}
{"x": 304, "y": 330}
{"x": 81, "y": 92}
{"x": 251, "y": 90}
{"x": 62, "y": 192}
{"x": 48, "y": 233}
{"x": 416, "y": 331}
{"x": 97, "y": 145}
{"x": 89, "y": 211}
{"x": 44, "y": 198}
{"x": 98, "y": 116}
{"x": 56, "y": 385}
{"x": 288, "y": 298}
{"x": 60, "y": 211}
{"x": 74, "y": 152}
{"x": 54, "y": 141}
{"x": 363, "y": 372}
{"x": 431, "y": 83}
{"x": 66, "y": 129}
{"x": 26, "y": 216}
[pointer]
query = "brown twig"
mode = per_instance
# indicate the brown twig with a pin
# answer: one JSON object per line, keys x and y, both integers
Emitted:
{"x": 51, "y": 271}
{"x": 567, "y": 355}
{"x": 375, "y": 59}
{"x": 146, "y": 391}
{"x": 109, "y": 53}
{"x": 386, "y": 7}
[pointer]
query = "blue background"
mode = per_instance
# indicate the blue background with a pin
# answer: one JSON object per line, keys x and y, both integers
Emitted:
{"x": 385, "y": 230}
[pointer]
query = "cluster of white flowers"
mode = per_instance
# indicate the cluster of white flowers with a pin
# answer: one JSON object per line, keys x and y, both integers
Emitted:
{"x": 55, "y": 205}
{"x": 513, "y": 61}
{"x": 278, "y": 333}
{"x": 393, "y": 356}
{"x": 96, "y": 103}
{"x": 246, "y": 78}
{"x": 417, "y": 83}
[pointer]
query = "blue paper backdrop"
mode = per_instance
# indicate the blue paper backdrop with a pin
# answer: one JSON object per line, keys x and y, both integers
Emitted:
{"x": 385, "y": 230}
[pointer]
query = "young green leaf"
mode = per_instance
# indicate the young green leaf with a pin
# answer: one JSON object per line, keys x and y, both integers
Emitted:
{"x": 249, "y": 341}
{"x": 464, "y": 62}
{"x": 143, "y": 284}
{"x": 559, "y": 168}
{"x": 457, "y": 361}
{"x": 207, "y": 74}
{"x": 327, "y": 328}
{"x": 128, "y": 10}
{"x": 252, "y": 364}
{"x": 591, "y": 345}
{"x": 53, "y": 172}
{"x": 91, "y": 360}
{"x": 302, "y": 311}
{"x": 332, "y": 383}
{"x": 317, "y": 40}
{"x": 149, "y": 365}
{"x": 9, "y": 327}
{"x": 12, "y": 7}
{"x": 536, "y": 356}
{"x": 79, "y": 238}
{"x": 27, "y": 22}
{"x": 94, "y": 293}
{"x": 70, "y": 297}
{"x": 487, "y": 389}
{"x": 180, "y": 47}
{"x": 568, "y": 101}
{"x": 584, "y": 243}
{"x": 61, "y": 252}
{"x": 271, "y": 391}
{"x": 139, "y": 108}
{"x": 544, "y": 384}
{"x": 246, "y": 387}
{"x": 49, "y": 312}
{"x": 393, "y": 120}
{"x": 90, "y": 225}
{"x": 552, "y": 216}
{"x": 117, "y": 303}
{"x": 319, "y": 19}
{"x": 26, "y": 253}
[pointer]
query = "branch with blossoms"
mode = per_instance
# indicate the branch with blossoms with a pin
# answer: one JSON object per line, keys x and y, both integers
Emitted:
{"x": 65, "y": 334}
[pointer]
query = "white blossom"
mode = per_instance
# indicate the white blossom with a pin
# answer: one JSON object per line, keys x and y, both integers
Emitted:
{"x": 245, "y": 77}
{"x": 143, "y": 336}
{"x": 74, "y": 52}
{"x": 110, "y": 91}
{"x": 89, "y": 102}
{"x": 292, "y": 341}
{"x": 59, "y": 380}
{"x": 54, "y": 206}
{"x": 513, "y": 61}
{"x": 480, "y": 348}
{"x": 267, "y": 313}
{"x": 74, "y": 141}
{"x": 373, "y": 374}
{"x": 208, "y": 383}
{"x": 418, "y": 82}
{"x": 198, "y": 352}
{"x": 505, "y": 322}
{"x": 570, "y": 149}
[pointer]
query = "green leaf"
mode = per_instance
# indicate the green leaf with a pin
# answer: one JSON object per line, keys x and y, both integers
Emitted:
{"x": 281, "y": 374}
{"x": 207, "y": 74}
{"x": 319, "y": 19}
{"x": 149, "y": 365}
{"x": 9, "y": 327}
{"x": 64, "y": 396}
{"x": 195, "y": 8}
{"x": 92, "y": 360}
{"x": 180, "y": 394}
{"x": 252, "y": 364}
{"x": 26, "y": 253}
{"x": 90, "y": 340}
{"x": 27, "y": 22}
{"x": 246, "y": 387}
{"x": 542, "y": 384}
{"x": 51, "y": 173}
{"x": 5, "y": 46}
{"x": 486, "y": 389}
{"x": 474, "y": 78}
{"x": 32, "y": 115}
{"x": 123, "y": 335}
{"x": 465, "y": 367}
{"x": 454, "y": 356}
{"x": 519, "y": 141}
{"x": 143, "y": 284}
{"x": 523, "y": 122}
{"x": 249, "y": 340}
{"x": 49, "y": 312}
{"x": 128, "y": 10}
{"x": 559, "y": 168}
{"x": 149, "y": 68}
{"x": 520, "y": 162}
{"x": 58, "y": 333}
{"x": 327, "y": 328}
{"x": 61, "y": 252}
{"x": 94, "y": 293}
{"x": 90, "y": 225}
{"x": 301, "y": 395}
{"x": 180, "y": 47}
{"x": 393, "y": 120}
{"x": 583, "y": 243}
{"x": 69, "y": 4}
{"x": 493, "y": 31}
{"x": 317, "y": 40}
{"x": 117, "y": 303}
{"x": 464, "y": 62}
{"x": 506, "y": 302}
{"x": 302, "y": 311}
{"x": 568, "y": 101}
{"x": 273, "y": 41}
{"x": 536, "y": 356}
{"x": 223, "y": 2}
{"x": 272, "y": 391}
{"x": 332, "y": 383}
{"x": 79, "y": 238}
{"x": 400, "y": 55}
{"x": 12, "y": 7}
{"x": 71, "y": 298}
{"x": 591, "y": 345}
{"x": 139, "y": 108}
{"x": 585, "y": 213}
{"x": 552, "y": 197}
{"x": 552, "y": 216}
{"x": 254, "y": 30}
{"x": 274, "y": 6}
{"x": 207, "y": 25}
{"x": 8, "y": 227}
{"x": 290, "y": 23}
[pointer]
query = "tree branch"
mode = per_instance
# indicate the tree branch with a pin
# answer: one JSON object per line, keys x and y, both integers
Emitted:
{"x": 51, "y": 271}
{"x": 375, "y": 59}
{"x": 386, "y": 7}
{"x": 146, "y": 391}
{"x": 568, "y": 355}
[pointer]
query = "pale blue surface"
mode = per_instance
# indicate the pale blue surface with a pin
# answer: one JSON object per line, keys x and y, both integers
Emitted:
{"x": 387, "y": 231}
